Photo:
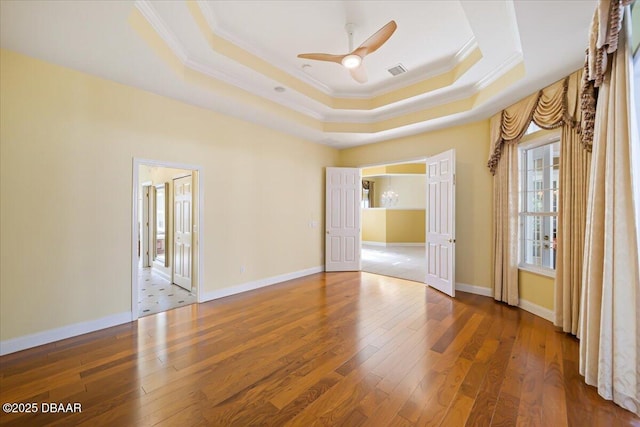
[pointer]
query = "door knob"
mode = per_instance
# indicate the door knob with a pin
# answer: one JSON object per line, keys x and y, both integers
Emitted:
{"x": 452, "y": 240}
{"x": 328, "y": 232}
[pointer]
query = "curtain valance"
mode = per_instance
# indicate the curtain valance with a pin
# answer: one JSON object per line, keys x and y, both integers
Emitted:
{"x": 552, "y": 107}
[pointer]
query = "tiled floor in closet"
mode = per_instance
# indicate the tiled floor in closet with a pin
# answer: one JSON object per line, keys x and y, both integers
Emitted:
{"x": 157, "y": 294}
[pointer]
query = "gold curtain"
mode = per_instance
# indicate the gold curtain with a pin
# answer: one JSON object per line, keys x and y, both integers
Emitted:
{"x": 554, "y": 106}
{"x": 575, "y": 162}
{"x": 610, "y": 305}
{"x": 505, "y": 220}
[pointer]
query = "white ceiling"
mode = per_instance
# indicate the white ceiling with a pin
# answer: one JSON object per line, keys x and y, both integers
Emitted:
{"x": 546, "y": 38}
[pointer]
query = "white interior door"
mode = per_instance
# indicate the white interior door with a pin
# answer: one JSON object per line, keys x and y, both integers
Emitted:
{"x": 342, "y": 244}
{"x": 441, "y": 212}
{"x": 182, "y": 231}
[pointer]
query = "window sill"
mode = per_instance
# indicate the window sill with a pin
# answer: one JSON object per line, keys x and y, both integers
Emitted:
{"x": 542, "y": 271}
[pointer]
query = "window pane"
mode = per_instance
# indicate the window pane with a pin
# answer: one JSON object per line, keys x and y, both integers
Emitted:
{"x": 539, "y": 240}
{"x": 539, "y": 204}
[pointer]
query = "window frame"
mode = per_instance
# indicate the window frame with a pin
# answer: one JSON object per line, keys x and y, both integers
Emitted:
{"x": 531, "y": 141}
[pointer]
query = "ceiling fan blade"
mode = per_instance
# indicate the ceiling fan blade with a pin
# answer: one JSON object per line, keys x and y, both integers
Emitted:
{"x": 372, "y": 44}
{"x": 322, "y": 57}
{"x": 359, "y": 74}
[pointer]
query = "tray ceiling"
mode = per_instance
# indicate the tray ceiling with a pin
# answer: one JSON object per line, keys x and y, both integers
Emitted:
{"x": 465, "y": 60}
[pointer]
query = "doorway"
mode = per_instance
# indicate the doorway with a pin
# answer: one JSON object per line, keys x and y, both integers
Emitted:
{"x": 393, "y": 220}
{"x": 167, "y": 219}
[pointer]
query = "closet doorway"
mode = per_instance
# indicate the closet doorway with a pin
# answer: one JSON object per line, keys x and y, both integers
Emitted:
{"x": 167, "y": 220}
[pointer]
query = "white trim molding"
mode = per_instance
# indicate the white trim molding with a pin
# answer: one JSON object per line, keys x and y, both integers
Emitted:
{"x": 390, "y": 245}
{"x": 45, "y": 337}
{"x": 473, "y": 289}
{"x": 257, "y": 284}
{"x": 538, "y": 310}
{"x": 525, "y": 305}
{"x": 366, "y": 242}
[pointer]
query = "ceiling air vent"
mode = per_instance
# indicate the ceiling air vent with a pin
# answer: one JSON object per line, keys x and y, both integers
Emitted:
{"x": 398, "y": 69}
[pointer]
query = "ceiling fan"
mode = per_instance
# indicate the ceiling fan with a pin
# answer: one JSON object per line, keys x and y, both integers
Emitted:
{"x": 353, "y": 60}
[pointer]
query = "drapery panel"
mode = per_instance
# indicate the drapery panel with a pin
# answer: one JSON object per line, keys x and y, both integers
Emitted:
{"x": 505, "y": 221}
{"x": 554, "y": 106}
{"x": 610, "y": 305}
{"x": 572, "y": 211}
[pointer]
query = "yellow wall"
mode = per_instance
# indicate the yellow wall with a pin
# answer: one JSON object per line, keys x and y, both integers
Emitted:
{"x": 403, "y": 168}
{"x": 536, "y": 289}
{"x": 405, "y": 226}
{"x": 393, "y": 225}
{"x": 67, "y": 141}
{"x": 474, "y": 189}
{"x": 374, "y": 225}
{"x": 420, "y": 168}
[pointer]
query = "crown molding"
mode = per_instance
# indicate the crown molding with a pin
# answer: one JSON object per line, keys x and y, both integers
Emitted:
{"x": 189, "y": 61}
{"x": 146, "y": 9}
{"x": 433, "y": 69}
{"x": 512, "y": 60}
{"x": 217, "y": 28}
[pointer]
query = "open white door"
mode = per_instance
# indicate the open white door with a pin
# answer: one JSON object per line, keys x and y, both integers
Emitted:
{"x": 342, "y": 244}
{"x": 441, "y": 212}
{"x": 182, "y": 232}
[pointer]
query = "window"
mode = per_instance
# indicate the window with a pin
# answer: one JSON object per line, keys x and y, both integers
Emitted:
{"x": 539, "y": 181}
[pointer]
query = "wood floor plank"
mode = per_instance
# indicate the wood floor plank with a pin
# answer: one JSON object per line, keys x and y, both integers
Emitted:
{"x": 327, "y": 349}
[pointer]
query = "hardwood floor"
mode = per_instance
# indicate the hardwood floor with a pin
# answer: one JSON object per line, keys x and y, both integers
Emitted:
{"x": 329, "y": 349}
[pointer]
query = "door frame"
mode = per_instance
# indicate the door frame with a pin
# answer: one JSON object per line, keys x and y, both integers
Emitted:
{"x": 137, "y": 162}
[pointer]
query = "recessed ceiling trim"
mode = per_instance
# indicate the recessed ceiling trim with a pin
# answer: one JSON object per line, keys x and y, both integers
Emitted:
{"x": 188, "y": 61}
{"x": 262, "y": 66}
{"x": 200, "y": 78}
{"x": 512, "y": 61}
{"x": 214, "y": 25}
{"x": 161, "y": 28}
{"x": 256, "y": 89}
{"x": 434, "y": 69}
{"x": 223, "y": 89}
{"x": 201, "y": 75}
{"x": 458, "y": 106}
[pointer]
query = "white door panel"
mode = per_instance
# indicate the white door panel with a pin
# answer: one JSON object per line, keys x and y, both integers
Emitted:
{"x": 441, "y": 222}
{"x": 182, "y": 235}
{"x": 342, "y": 243}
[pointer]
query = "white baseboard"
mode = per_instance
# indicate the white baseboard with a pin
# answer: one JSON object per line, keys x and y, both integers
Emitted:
{"x": 374, "y": 243}
{"x": 525, "y": 305}
{"x": 389, "y": 245}
{"x": 538, "y": 310}
{"x": 45, "y": 337}
{"x": 256, "y": 284}
{"x": 473, "y": 289}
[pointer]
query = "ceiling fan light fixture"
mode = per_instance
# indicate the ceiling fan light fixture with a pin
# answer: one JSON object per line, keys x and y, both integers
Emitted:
{"x": 351, "y": 61}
